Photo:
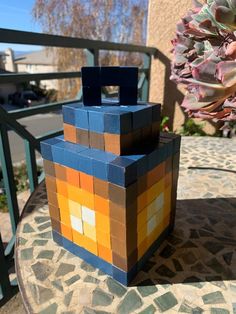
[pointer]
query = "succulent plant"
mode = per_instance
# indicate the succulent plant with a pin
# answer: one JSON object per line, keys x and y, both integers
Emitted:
{"x": 205, "y": 59}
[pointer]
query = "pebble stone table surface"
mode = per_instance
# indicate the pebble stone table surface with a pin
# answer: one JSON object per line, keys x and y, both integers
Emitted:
{"x": 194, "y": 270}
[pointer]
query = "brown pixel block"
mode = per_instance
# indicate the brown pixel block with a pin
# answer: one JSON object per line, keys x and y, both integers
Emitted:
{"x": 101, "y": 188}
{"x": 96, "y": 140}
{"x": 83, "y": 137}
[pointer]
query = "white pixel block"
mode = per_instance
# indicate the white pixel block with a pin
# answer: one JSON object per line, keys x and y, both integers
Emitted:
{"x": 88, "y": 215}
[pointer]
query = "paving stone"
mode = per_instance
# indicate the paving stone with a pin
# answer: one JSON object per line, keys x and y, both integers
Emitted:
{"x": 27, "y": 228}
{"x": 41, "y": 219}
{"x": 40, "y": 294}
{"x": 57, "y": 284}
{"x": 62, "y": 253}
{"x": 219, "y": 311}
{"x": 148, "y": 266}
{"x": 185, "y": 308}
{"x": 91, "y": 279}
{"x": 22, "y": 241}
{"x": 115, "y": 288}
{"x": 215, "y": 265}
{"x": 46, "y": 254}
{"x": 39, "y": 242}
{"x": 87, "y": 310}
{"x": 188, "y": 245}
{"x": 234, "y": 308}
{"x": 174, "y": 240}
{"x": 130, "y": 303}
{"x": 88, "y": 268}
{"x": 194, "y": 281}
{"x": 64, "y": 269}
{"x": 26, "y": 254}
{"x": 199, "y": 268}
{"x": 44, "y": 226}
{"x": 67, "y": 298}
{"x": 213, "y": 298}
{"x": 45, "y": 235}
{"x": 41, "y": 271}
{"x": 149, "y": 310}
{"x": 163, "y": 270}
{"x": 189, "y": 258}
{"x": 194, "y": 234}
{"x": 168, "y": 251}
{"x": 228, "y": 258}
{"x": 197, "y": 310}
{"x": 72, "y": 280}
{"x": 204, "y": 233}
{"x": 146, "y": 288}
{"x": 213, "y": 247}
{"x": 177, "y": 265}
{"x": 101, "y": 298}
{"x": 166, "y": 301}
{"x": 51, "y": 309}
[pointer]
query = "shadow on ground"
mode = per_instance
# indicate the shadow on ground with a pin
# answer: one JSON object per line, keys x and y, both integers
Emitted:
{"x": 201, "y": 249}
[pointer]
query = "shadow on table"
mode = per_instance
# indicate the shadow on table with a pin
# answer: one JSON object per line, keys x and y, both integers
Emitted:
{"x": 200, "y": 249}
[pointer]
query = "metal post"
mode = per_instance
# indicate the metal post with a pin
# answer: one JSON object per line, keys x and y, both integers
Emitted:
{"x": 5, "y": 285}
{"x": 31, "y": 165}
{"x": 92, "y": 56}
{"x": 8, "y": 177}
{"x": 146, "y": 82}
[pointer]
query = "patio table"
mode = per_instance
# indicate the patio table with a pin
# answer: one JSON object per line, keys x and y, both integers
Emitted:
{"x": 194, "y": 270}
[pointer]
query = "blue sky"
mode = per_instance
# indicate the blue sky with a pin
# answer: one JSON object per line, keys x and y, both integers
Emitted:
{"x": 16, "y": 14}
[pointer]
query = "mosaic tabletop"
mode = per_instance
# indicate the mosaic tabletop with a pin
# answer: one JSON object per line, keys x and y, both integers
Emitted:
{"x": 194, "y": 270}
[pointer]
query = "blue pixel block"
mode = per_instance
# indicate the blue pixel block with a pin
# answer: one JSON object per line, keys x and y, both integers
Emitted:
{"x": 156, "y": 112}
{"x": 46, "y": 148}
{"x": 81, "y": 118}
{"x": 142, "y": 163}
{"x": 118, "y": 122}
{"x": 68, "y": 113}
{"x": 141, "y": 115}
{"x": 157, "y": 156}
{"x": 85, "y": 162}
{"x": 101, "y": 162}
{"x": 96, "y": 121}
{"x": 122, "y": 171}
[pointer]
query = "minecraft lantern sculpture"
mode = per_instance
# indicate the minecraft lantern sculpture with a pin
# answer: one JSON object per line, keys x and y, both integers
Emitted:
{"x": 111, "y": 179}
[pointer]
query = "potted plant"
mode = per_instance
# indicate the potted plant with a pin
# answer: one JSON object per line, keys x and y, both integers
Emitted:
{"x": 204, "y": 60}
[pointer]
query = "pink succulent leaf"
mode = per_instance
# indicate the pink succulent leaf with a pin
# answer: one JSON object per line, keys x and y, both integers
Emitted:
{"x": 205, "y": 71}
{"x": 231, "y": 50}
{"x": 224, "y": 15}
{"x": 226, "y": 73}
{"x": 230, "y": 103}
{"x": 191, "y": 102}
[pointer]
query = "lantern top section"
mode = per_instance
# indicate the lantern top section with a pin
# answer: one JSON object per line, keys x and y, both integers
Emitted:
{"x": 94, "y": 78}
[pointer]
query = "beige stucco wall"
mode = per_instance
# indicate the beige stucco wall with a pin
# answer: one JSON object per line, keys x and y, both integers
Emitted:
{"x": 162, "y": 18}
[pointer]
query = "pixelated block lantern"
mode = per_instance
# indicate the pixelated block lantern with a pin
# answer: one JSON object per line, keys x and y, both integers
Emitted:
{"x": 112, "y": 178}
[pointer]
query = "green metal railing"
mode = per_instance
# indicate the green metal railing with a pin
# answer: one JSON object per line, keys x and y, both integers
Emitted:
{"x": 9, "y": 121}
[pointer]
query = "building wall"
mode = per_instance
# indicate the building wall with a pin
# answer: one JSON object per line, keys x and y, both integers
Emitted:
{"x": 38, "y": 68}
{"x": 162, "y": 18}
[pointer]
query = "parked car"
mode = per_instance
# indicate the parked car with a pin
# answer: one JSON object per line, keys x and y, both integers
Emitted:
{"x": 25, "y": 98}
